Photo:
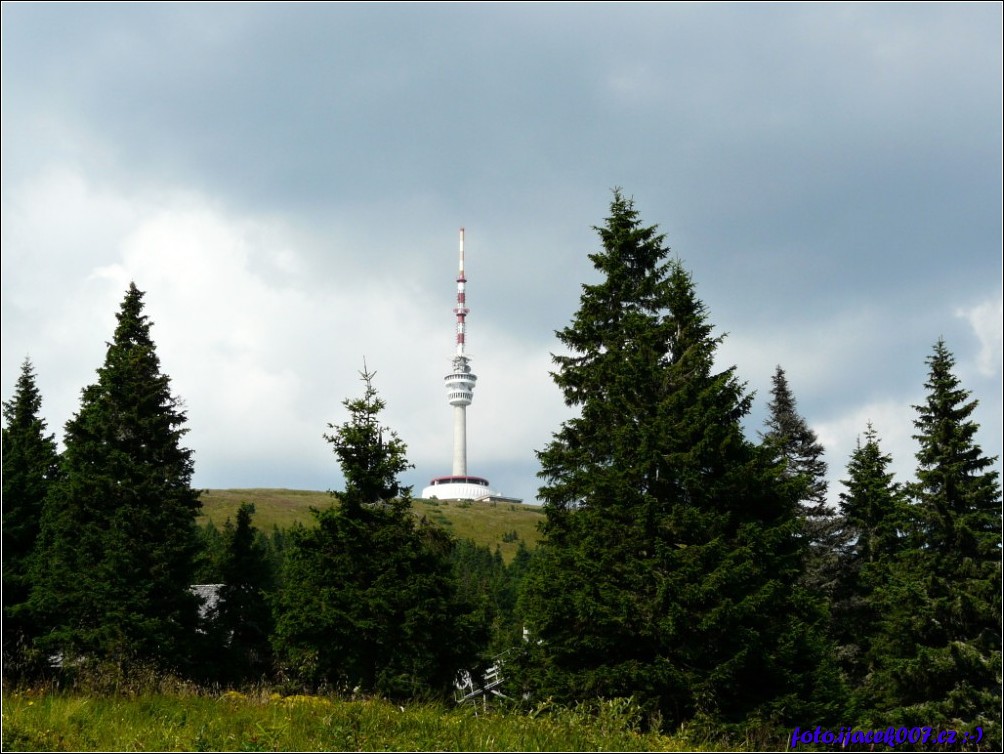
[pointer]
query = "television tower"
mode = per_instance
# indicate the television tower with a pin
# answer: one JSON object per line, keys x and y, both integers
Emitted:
{"x": 461, "y": 380}
{"x": 459, "y": 485}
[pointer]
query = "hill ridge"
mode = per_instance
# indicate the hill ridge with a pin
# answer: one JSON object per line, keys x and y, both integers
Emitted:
{"x": 501, "y": 525}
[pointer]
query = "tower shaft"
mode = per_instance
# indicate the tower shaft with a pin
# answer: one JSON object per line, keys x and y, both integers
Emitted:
{"x": 460, "y": 441}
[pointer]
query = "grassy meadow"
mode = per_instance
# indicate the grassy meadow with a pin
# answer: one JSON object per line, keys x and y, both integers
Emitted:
{"x": 502, "y": 525}
{"x": 37, "y": 720}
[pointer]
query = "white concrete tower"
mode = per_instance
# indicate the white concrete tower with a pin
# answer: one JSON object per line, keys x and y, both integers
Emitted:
{"x": 461, "y": 380}
{"x": 459, "y": 485}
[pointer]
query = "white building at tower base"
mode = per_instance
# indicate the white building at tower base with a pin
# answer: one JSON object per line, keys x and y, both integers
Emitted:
{"x": 464, "y": 488}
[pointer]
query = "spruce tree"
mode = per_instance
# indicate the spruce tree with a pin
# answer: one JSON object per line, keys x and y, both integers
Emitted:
{"x": 670, "y": 564}
{"x": 872, "y": 523}
{"x": 118, "y": 529}
{"x": 872, "y": 504}
{"x": 797, "y": 447}
{"x": 938, "y": 656}
{"x": 30, "y": 466}
{"x": 367, "y": 600}
{"x": 242, "y": 618}
{"x": 371, "y": 456}
{"x": 957, "y": 490}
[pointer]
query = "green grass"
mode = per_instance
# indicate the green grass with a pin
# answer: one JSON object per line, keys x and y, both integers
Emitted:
{"x": 502, "y": 525}
{"x": 281, "y": 508}
{"x": 188, "y": 721}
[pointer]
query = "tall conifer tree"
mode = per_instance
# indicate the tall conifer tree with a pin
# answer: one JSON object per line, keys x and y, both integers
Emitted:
{"x": 797, "y": 445}
{"x": 371, "y": 456}
{"x": 242, "y": 618}
{"x": 872, "y": 504}
{"x": 938, "y": 657}
{"x": 30, "y": 466}
{"x": 118, "y": 530}
{"x": 671, "y": 558}
{"x": 367, "y": 600}
{"x": 798, "y": 448}
{"x": 872, "y": 525}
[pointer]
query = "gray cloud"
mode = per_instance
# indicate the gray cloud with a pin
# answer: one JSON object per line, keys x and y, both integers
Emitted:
{"x": 286, "y": 181}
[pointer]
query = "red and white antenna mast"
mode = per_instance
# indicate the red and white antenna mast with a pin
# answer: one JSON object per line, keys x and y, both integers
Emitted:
{"x": 461, "y": 309}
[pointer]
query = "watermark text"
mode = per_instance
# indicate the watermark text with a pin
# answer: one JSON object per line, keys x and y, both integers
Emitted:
{"x": 891, "y": 737}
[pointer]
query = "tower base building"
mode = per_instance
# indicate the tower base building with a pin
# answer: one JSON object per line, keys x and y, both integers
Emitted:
{"x": 458, "y": 488}
{"x": 465, "y": 488}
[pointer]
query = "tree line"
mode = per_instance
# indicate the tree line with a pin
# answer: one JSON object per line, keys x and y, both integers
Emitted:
{"x": 684, "y": 564}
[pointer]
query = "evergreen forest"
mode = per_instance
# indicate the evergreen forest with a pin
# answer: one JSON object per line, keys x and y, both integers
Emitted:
{"x": 683, "y": 565}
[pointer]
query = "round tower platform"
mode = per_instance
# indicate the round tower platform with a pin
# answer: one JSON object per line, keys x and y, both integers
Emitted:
{"x": 458, "y": 488}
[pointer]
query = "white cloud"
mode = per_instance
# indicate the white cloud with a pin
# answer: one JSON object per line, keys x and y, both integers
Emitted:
{"x": 56, "y": 228}
{"x": 260, "y": 352}
{"x": 987, "y": 321}
{"x": 849, "y": 351}
{"x": 892, "y": 422}
{"x": 519, "y": 405}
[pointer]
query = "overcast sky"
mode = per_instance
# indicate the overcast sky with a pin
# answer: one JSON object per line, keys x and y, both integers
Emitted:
{"x": 286, "y": 183}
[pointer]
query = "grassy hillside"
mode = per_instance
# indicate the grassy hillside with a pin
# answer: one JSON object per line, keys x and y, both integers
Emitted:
{"x": 493, "y": 524}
